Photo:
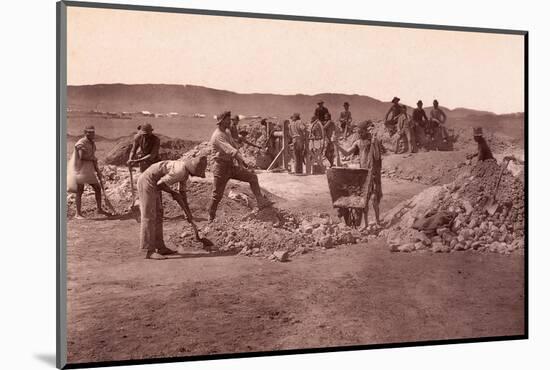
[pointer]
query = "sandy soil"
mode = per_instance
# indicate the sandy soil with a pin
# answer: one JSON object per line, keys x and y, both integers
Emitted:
{"x": 121, "y": 306}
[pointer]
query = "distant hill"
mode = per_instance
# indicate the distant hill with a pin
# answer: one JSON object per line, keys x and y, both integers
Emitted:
{"x": 189, "y": 99}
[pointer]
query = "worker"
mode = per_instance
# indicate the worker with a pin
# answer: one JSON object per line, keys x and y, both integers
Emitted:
{"x": 298, "y": 132}
{"x": 438, "y": 116}
{"x": 225, "y": 152}
{"x": 157, "y": 178}
{"x": 329, "y": 127}
{"x": 320, "y": 112}
{"x": 370, "y": 150}
{"x": 420, "y": 122}
{"x": 145, "y": 148}
{"x": 390, "y": 120}
{"x": 345, "y": 120}
{"x": 405, "y": 132}
{"x": 234, "y": 130}
{"x": 86, "y": 170}
{"x": 483, "y": 151}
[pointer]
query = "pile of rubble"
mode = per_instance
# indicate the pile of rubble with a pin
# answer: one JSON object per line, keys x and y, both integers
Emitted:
{"x": 275, "y": 234}
{"x": 170, "y": 149}
{"x": 458, "y": 219}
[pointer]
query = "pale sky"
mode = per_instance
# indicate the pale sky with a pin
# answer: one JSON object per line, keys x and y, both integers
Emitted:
{"x": 461, "y": 69}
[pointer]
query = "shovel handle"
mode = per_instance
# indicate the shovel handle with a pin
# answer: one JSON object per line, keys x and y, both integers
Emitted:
{"x": 506, "y": 161}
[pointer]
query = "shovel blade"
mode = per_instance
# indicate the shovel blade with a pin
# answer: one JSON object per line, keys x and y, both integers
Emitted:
{"x": 491, "y": 207}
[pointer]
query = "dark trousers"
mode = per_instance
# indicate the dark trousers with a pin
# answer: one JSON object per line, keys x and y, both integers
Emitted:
{"x": 298, "y": 148}
{"x": 329, "y": 153}
{"x": 223, "y": 171}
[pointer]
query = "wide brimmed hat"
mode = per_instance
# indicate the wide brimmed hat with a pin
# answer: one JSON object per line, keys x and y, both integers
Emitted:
{"x": 89, "y": 129}
{"x": 147, "y": 127}
{"x": 478, "y": 131}
{"x": 395, "y": 99}
{"x": 223, "y": 115}
{"x": 197, "y": 166}
{"x": 295, "y": 116}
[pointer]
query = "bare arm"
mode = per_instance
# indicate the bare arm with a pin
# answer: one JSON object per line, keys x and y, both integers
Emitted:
{"x": 350, "y": 151}
{"x": 179, "y": 197}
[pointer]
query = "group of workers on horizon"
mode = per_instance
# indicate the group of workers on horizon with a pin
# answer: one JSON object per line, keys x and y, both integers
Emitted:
{"x": 228, "y": 163}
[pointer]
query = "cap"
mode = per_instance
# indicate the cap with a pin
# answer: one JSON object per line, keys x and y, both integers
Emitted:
{"x": 419, "y": 102}
{"x": 435, "y": 102}
{"x": 346, "y": 104}
{"x": 146, "y": 127}
{"x": 223, "y": 115}
{"x": 395, "y": 99}
{"x": 295, "y": 116}
{"x": 197, "y": 166}
{"x": 320, "y": 102}
{"x": 235, "y": 118}
{"x": 89, "y": 128}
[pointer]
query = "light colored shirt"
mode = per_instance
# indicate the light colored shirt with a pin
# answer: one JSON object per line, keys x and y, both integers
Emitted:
{"x": 174, "y": 172}
{"x": 223, "y": 146}
{"x": 345, "y": 116}
{"x": 297, "y": 129}
{"x": 438, "y": 115}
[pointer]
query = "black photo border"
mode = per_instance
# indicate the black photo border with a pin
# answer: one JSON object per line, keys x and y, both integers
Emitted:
{"x": 61, "y": 165}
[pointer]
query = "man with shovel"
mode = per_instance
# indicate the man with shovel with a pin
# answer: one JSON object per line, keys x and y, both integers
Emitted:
{"x": 85, "y": 170}
{"x": 225, "y": 154}
{"x": 158, "y": 178}
{"x": 145, "y": 149}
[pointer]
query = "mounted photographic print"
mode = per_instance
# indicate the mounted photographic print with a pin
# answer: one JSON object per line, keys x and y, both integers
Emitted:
{"x": 236, "y": 184}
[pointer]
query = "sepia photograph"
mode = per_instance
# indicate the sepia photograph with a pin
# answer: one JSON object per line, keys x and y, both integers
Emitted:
{"x": 251, "y": 184}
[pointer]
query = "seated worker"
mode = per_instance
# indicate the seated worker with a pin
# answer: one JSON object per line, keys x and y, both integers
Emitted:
{"x": 151, "y": 183}
{"x": 370, "y": 151}
{"x": 420, "y": 123}
{"x": 390, "y": 120}
{"x": 483, "y": 151}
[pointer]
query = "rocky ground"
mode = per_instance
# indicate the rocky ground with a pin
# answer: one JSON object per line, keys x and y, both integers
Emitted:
{"x": 341, "y": 286}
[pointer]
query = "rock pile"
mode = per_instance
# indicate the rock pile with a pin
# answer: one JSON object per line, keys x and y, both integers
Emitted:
{"x": 170, "y": 148}
{"x": 470, "y": 227}
{"x": 275, "y": 234}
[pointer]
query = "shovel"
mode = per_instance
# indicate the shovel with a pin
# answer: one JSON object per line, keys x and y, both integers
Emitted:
{"x": 492, "y": 206}
{"x": 134, "y": 210}
{"x": 107, "y": 201}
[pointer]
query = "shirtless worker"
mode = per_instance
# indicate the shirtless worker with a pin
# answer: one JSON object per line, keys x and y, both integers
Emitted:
{"x": 345, "y": 120}
{"x": 85, "y": 170}
{"x": 152, "y": 182}
{"x": 370, "y": 151}
{"x": 225, "y": 152}
{"x": 145, "y": 148}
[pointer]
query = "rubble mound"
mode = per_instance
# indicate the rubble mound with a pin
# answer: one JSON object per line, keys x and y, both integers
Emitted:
{"x": 274, "y": 233}
{"x": 462, "y": 223}
{"x": 170, "y": 149}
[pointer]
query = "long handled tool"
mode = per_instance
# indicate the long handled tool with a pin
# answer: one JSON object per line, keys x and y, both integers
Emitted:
{"x": 107, "y": 201}
{"x": 492, "y": 206}
{"x": 134, "y": 210}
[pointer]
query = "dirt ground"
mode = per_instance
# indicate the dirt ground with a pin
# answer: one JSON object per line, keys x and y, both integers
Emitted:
{"x": 121, "y": 306}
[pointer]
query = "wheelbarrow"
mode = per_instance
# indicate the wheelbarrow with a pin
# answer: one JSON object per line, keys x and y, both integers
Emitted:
{"x": 348, "y": 192}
